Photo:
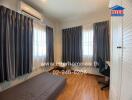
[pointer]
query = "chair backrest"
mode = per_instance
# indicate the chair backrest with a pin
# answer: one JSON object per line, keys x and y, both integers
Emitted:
{"x": 101, "y": 65}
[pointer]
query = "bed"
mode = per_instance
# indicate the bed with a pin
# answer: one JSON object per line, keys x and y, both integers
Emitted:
{"x": 42, "y": 87}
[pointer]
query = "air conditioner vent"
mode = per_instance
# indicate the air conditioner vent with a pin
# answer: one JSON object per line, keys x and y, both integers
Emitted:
{"x": 28, "y": 10}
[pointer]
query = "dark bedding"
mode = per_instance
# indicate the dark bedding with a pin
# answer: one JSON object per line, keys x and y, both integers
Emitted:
{"x": 42, "y": 87}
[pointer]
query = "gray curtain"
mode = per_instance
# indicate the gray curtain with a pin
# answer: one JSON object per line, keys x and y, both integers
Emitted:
{"x": 16, "y": 33}
{"x": 72, "y": 45}
{"x": 101, "y": 41}
{"x": 49, "y": 45}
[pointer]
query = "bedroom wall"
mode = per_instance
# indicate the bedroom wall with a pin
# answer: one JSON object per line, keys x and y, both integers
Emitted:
{"x": 14, "y": 5}
{"x": 86, "y": 22}
{"x": 98, "y": 16}
{"x": 57, "y": 43}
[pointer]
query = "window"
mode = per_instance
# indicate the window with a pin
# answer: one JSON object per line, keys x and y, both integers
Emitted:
{"x": 39, "y": 40}
{"x": 87, "y": 44}
{"x": 39, "y": 43}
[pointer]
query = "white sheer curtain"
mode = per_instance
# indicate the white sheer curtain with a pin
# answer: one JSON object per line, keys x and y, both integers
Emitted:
{"x": 39, "y": 44}
{"x": 87, "y": 45}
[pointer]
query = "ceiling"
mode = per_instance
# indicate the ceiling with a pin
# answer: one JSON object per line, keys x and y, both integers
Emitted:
{"x": 65, "y": 9}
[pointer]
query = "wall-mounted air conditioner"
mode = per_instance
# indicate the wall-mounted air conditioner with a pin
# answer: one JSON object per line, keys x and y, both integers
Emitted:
{"x": 28, "y": 10}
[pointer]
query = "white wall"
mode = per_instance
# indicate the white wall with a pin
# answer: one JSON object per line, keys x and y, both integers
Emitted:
{"x": 90, "y": 19}
{"x": 57, "y": 43}
{"x": 13, "y": 4}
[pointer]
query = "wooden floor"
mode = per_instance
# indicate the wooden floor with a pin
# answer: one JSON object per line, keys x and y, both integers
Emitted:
{"x": 82, "y": 87}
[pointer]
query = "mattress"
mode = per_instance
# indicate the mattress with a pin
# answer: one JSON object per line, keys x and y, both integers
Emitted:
{"x": 42, "y": 87}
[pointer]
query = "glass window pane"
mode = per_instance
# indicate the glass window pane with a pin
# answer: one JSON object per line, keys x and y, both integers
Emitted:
{"x": 88, "y": 43}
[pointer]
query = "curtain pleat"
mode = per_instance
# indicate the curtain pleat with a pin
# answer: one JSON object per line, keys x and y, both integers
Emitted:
{"x": 49, "y": 45}
{"x": 16, "y": 33}
{"x": 2, "y": 46}
{"x": 101, "y": 41}
{"x": 72, "y": 45}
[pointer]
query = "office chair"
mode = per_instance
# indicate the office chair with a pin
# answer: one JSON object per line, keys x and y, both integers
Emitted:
{"x": 104, "y": 69}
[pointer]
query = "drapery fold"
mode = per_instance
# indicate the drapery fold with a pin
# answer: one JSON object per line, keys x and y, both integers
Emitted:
{"x": 49, "y": 45}
{"x": 101, "y": 41}
{"x": 16, "y": 33}
{"x": 72, "y": 45}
